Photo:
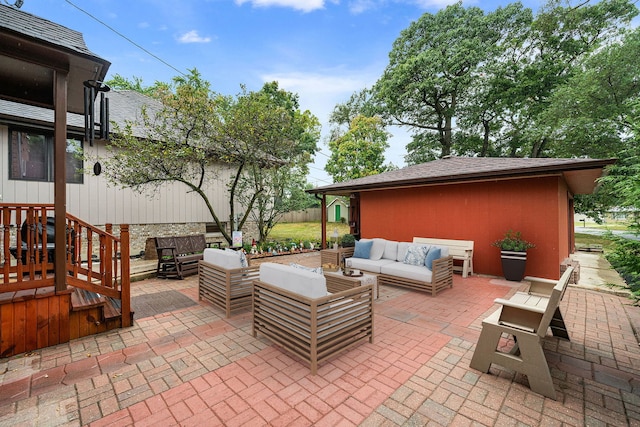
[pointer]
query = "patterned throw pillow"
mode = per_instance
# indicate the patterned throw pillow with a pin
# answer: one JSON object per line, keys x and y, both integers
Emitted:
{"x": 416, "y": 255}
{"x": 317, "y": 270}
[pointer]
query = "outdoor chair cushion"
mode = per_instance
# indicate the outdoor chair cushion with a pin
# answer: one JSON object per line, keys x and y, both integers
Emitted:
{"x": 225, "y": 259}
{"x": 363, "y": 249}
{"x": 299, "y": 281}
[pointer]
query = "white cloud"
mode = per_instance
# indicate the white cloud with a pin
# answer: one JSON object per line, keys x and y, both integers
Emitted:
{"x": 303, "y": 5}
{"x": 143, "y": 25}
{"x": 193, "y": 37}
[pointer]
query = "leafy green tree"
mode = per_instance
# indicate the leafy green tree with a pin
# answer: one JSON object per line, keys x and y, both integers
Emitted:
{"x": 196, "y": 134}
{"x": 274, "y": 191}
{"x": 432, "y": 66}
{"x": 136, "y": 84}
{"x": 360, "y": 151}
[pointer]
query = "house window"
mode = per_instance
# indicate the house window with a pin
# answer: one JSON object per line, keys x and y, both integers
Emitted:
{"x": 31, "y": 157}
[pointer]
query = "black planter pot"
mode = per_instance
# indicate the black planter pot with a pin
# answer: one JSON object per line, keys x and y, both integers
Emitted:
{"x": 513, "y": 265}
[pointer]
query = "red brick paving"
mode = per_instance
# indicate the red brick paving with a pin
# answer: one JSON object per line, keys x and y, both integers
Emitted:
{"x": 194, "y": 367}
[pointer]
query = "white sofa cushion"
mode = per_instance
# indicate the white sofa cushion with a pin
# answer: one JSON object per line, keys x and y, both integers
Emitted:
{"x": 402, "y": 251}
{"x": 377, "y": 249}
{"x": 407, "y": 271}
{"x": 390, "y": 250}
{"x": 368, "y": 264}
{"x": 224, "y": 259}
{"x": 296, "y": 280}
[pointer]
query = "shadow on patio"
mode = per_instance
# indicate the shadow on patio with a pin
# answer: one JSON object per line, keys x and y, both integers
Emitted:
{"x": 191, "y": 366}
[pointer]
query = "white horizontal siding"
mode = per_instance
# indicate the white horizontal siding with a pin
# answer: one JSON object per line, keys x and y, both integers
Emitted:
{"x": 99, "y": 203}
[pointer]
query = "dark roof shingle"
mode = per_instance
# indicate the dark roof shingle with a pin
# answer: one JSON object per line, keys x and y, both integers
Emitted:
{"x": 461, "y": 169}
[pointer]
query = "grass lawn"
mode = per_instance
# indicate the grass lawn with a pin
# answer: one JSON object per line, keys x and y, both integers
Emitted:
{"x": 305, "y": 231}
{"x": 590, "y": 239}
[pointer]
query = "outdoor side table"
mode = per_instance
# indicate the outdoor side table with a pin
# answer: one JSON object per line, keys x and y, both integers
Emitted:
{"x": 336, "y": 282}
{"x": 332, "y": 256}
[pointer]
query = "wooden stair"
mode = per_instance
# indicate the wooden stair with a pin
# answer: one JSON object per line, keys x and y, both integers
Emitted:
{"x": 92, "y": 313}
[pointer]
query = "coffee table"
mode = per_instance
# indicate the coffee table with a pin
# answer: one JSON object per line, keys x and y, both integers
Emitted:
{"x": 336, "y": 281}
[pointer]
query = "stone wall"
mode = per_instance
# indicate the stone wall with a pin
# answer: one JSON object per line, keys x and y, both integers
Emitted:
{"x": 141, "y": 235}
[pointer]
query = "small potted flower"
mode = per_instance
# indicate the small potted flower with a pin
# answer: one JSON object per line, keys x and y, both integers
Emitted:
{"x": 513, "y": 254}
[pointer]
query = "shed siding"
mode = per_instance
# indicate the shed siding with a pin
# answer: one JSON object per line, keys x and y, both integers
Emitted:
{"x": 480, "y": 212}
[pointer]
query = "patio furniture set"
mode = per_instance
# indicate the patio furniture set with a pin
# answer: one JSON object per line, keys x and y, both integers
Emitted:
{"x": 314, "y": 316}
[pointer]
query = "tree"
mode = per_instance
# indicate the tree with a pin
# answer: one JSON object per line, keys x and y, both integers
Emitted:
{"x": 274, "y": 191}
{"x": 431, "y": 67}
{"x": 196, "y": 133}
{"x": 360, "y": 151}
{"x": 135, "y": 84}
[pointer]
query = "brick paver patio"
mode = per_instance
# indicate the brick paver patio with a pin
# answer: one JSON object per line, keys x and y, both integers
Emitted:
{"x": 191, "y": 366}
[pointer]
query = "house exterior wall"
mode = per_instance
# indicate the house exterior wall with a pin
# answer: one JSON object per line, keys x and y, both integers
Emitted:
{"x": 481, "y": 212}
{"x": 171, "y": 207}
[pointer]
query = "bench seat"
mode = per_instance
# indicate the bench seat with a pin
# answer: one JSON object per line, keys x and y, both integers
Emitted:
{"x": 178, "y": 256}
{"x": 460, "y": 250}
{"x": 526, "y": 317}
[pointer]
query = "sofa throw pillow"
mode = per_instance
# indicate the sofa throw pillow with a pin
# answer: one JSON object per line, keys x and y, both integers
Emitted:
{"x": 241, "y": 256}
{"x": 317, "y": 270}
{"x": 433, "y": 254}
{"x": 363, "y": 249}
{"x": 415, "y": 255}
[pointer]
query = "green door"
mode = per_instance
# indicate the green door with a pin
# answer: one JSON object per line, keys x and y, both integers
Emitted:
{"x": 337, "y": 219}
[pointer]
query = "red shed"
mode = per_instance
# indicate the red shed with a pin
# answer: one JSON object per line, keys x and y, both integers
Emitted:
{"x": 476, "y": 198}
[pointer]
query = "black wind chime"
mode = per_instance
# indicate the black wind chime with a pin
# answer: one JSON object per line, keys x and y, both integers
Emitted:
{"x": 91, "y": 88}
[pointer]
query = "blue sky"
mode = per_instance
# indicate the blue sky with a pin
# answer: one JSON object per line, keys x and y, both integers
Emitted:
{"x": 323, "y": 50}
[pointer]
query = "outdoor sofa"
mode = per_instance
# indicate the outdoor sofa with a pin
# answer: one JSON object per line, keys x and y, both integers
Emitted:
{"x": 422, "y": 267}
{"x": 292, "y": 308}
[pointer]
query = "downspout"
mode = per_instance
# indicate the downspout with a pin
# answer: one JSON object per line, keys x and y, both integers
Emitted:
{"x": 323, "y": 219}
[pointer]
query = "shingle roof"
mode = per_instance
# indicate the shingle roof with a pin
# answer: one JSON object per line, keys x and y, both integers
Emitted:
{"x": 123, "y": 105}
{"x": 42, "y": 29}
{"x": 461, "y": 169}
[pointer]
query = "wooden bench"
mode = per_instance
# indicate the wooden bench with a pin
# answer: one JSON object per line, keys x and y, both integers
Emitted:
{"x": 526, "y": 317}
{"x": 313, "y": 329}
{"x": 178, "y": 256}
{"x": 460, "y": 250}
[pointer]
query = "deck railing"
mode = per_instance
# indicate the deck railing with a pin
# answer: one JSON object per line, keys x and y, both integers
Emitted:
{"x": 96, "y": 260}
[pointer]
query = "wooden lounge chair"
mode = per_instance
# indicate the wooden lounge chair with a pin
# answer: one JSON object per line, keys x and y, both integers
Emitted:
{"x": 224, "y": 282}
{"x": 526, "y": 317}
{"x": 291, "y": 308}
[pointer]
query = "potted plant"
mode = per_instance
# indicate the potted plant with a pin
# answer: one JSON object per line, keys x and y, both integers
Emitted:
{"x": 513, "y": 254}
{"x": 347, "y": 241}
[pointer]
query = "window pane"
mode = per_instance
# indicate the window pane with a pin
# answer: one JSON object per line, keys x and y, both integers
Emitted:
{"x": 74, "y": 162}
{"x": 28, "y": 156}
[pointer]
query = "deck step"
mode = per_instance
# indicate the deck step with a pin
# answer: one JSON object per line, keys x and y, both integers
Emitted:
{"x": 82, "y": 299}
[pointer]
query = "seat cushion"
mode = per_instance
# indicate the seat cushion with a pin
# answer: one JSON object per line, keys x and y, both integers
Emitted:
{"x": 224, "y": 259}
{"x": 390, "y": 250}
{"x": 407, "y": 271}
{"x": 368, "y": 264}
{"x": 296, "y": 280}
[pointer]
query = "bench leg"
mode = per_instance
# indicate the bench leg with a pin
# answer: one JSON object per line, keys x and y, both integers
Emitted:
{"x": 485, "y": 348}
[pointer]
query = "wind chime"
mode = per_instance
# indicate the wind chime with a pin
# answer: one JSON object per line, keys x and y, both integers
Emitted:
{"x": 91, "y": 89}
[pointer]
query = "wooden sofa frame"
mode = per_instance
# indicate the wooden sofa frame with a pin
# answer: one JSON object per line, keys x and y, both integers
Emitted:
{"x": 526, "y": 316}
{"x": 441, "y": 278}
{"x": 178, "y": 256}
{"x": 229, "y": 289}
{"x": 460, "y": 250}
{"x": 313, "y": 329}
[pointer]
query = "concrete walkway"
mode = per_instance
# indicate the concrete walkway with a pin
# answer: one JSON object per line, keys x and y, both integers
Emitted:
{"x": 191, "y": 366}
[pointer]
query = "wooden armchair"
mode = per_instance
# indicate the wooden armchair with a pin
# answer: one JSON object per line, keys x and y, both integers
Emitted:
{"x": 526, "y": 317}
{"x": 291, "y": 308}
{"x": 224, "y": 282}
